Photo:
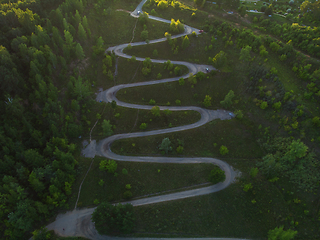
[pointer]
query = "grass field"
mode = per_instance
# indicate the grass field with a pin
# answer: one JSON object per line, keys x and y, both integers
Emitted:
{"x": 144, "y": 178}
{"x": 228, "y": 213}
{"x": 204, "y": 141}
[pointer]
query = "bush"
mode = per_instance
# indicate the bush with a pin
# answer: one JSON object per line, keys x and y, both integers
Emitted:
{"x": 247, "y": 187}
{"x": 144, "y": 35}
{"x": 280, "y": 234}
{"x": 227, "y": 99}
{"x": 223, "y": 150}
{"x": 254, "y": 172}
{"x": 264, "y": 105}
{"x": 162, "y": 5}
{"x": 152, "y": 102}
{"x": 143, "y": 126}
{"x": 106, "y": 128}
{"x": 110, "y": 220}
{"x": 176, "y": 26}
{"x": 124, "y": 171}
{"x": 127, "y": 194}
{"x": 238, "y": 114}
{"x": 181, "y": 82}
{"x": 219, "y": 60}
{"x": 165, "y": 145}
{"x": 155, "y": 53}
{"x": 217, "y": 175}
{"x": 108, "y": 165}
{"x": 207, "y": 101}
{"x": 179, "y": 149}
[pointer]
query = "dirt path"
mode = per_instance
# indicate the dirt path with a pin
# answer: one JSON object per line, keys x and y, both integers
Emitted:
{"x": 78, "y": 222}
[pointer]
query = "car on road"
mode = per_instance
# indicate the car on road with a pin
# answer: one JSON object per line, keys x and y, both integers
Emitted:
{"x": 200, "y": 31}
{"x": 138, "y": 12}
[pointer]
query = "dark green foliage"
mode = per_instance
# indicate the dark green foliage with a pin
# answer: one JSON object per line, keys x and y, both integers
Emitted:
{"x": 292, "y": 159}
{"x": 217, "y": 175}
{"x": 111, "y": 220}
{"x": 279, "y": 234}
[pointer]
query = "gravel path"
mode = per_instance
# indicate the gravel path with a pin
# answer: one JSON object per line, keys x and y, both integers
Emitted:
{"x": 78, "y": 222}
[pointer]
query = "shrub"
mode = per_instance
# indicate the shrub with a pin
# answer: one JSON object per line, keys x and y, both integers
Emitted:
{"x": 279, "y": 233}
{"x": 124, "y": 171}
{"x": 178, "y": 102}
{"x": 316, "y": 121}
{"x": 176, "y": 26}
{"x": 283, "y": 57}
{"x": 254, "y": 172}
{"x": 155, "y": 111}
{"x": 165, "y": 145}
{"x": 207, "y": 101}
{"x": 277, "y": 105}
{"x": 177, "y": 71}
{"x": 264, "y": 105}
{"x": 152, "y": 102}
{"x": 247, "y": 187}
{"x": 108, "y": 165}
{"x": 127, "y": 194}
{"x": 128, "y": 186}
{"x": 227, "y": 99}
{"x": 162, "y": 5}
{"x": 179, "y": 149}
{"x": 106, "y": 128}
{"x": 132, "y": 59}
{"x": 238, "y": 114}
{"x": 181, "y": 82}
{"x": 109, "y": 219}
{"x": 155, "y": 53}
{"x": 143, "y": 126}
{"x": 223, "y": 150}
{"x": 101, "y": 182}
{"x": 217, "y": 175}
{"x": 144, "y": 35}
{"x": 219, "y": 60}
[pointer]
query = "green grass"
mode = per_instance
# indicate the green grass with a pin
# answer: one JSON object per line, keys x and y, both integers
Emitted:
{"x": 188, "y": 95}
{"x": 127, "y": 120}
{"x": 204, "y": 141}
{"x": 145, "y": 178}
{"x": 227, "y": 213}
{"x": 118, "y": 27}
{"x": 130, "y": 72}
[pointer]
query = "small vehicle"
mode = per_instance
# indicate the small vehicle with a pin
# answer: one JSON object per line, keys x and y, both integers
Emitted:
{"x": 138, "y": 12}
{"x": 200, "y": 31}
{"x": 207, "y": 69}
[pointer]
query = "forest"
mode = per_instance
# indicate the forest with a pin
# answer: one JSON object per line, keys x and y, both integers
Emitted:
{"x": 53, "y": 62}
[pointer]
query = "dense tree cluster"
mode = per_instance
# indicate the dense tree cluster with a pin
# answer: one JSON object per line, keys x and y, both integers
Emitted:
{"x": 43, "y": 108}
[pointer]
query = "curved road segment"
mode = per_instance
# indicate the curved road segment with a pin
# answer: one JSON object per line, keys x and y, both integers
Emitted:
{"x": 78, "y": 222}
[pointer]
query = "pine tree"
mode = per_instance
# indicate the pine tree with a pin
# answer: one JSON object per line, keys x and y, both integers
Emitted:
{"x": 185, "y": 42}
{"x": 79, "y": 52}
{"x": 77, "y": 18}
{"x": 82, "y": 35}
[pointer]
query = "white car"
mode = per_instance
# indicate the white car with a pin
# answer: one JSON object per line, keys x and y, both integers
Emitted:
{"x": 138, "y": 12}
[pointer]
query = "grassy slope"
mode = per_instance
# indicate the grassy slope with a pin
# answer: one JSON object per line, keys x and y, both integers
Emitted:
{"x": 247, "y": 220}
{"x": 145, "y": 178}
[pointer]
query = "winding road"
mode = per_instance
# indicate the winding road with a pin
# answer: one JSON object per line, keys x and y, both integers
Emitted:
{"x": 78, "y": 222}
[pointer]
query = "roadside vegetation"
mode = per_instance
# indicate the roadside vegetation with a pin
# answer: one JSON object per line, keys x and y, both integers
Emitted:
{"x": 53, "y": 61}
